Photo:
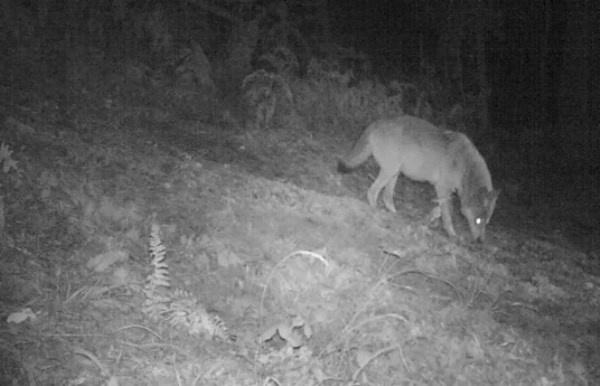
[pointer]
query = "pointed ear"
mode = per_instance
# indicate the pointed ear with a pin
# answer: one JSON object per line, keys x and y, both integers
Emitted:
{"x": 493, "y": 195}
{"x": 490, "y": 197}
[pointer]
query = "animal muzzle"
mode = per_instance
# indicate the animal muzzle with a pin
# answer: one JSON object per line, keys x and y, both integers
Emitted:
{"x": 478, "y": 235}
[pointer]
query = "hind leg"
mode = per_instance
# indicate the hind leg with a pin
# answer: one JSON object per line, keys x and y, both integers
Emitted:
{"x": 384, "y": 178}
{"x": 388, "y": 194}
{"x": 445, "y": 200}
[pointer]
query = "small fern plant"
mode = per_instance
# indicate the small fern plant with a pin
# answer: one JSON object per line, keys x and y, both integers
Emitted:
{"x": 159, "y": 279}
{"x": 263, "y": 91}
{"x": 179, "y": 308}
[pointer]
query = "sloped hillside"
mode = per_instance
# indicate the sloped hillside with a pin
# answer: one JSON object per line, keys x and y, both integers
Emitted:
{"x": 162, "y": 238}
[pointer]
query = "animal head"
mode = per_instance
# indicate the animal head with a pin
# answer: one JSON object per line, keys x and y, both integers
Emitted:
{"x": 478, "y": 211}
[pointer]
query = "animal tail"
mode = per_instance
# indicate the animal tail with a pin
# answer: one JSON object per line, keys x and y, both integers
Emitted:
{"x": 357, "y": 155}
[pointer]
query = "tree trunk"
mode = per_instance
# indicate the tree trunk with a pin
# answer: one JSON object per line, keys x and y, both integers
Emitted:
{"x": 484, "y": 87}
{"x": 544, "y": 86}
{"x": 322, "y": 15}
{"x": 574, "y": 129}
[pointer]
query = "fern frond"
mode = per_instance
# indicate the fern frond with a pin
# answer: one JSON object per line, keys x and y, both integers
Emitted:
{"x": 160, "y": 275}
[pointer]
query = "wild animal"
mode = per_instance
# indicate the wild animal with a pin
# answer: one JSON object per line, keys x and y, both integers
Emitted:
{"x": 448, "y": 160}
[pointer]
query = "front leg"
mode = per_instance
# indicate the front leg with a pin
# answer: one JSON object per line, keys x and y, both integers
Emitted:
{"x": 388, "y": 194}
{"x": 444, "y": 202}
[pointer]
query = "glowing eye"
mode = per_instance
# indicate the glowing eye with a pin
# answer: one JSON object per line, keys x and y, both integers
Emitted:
{"x": 478, "y": 221}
